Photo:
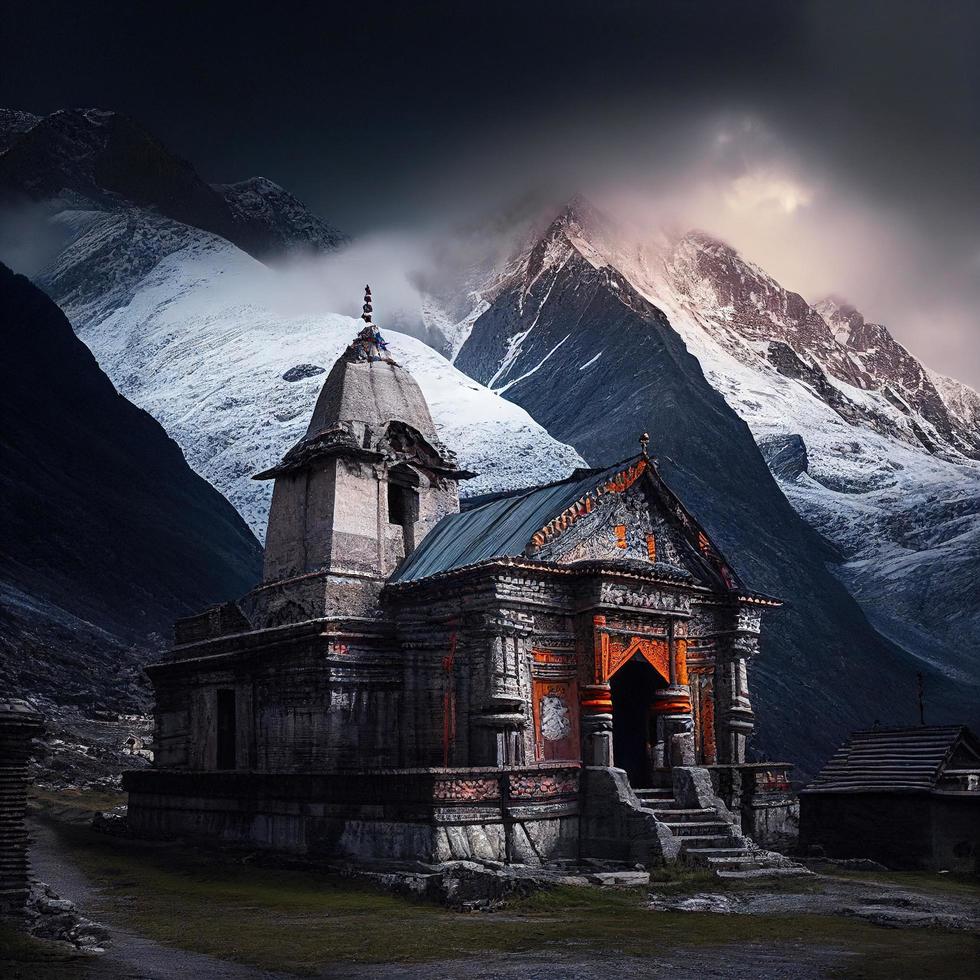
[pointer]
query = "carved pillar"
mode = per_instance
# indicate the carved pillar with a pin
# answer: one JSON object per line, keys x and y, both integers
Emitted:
{"x": 597, "y": 724}
{"x": 501, "y": 690}
{"x": 734, "y": 718}
{"x": 674, "y": 744}
{"x": 595, "y": 697}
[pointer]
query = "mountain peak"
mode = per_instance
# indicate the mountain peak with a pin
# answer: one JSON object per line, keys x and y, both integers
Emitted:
{"x": 110, "y": 161}
{"x": 13, "y": 123}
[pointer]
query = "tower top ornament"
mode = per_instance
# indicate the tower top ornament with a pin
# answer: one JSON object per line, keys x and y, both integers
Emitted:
{"x": 369, "y": 345}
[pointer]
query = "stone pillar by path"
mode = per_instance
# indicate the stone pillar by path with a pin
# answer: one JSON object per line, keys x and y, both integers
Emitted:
{"x": 19, "y": 725}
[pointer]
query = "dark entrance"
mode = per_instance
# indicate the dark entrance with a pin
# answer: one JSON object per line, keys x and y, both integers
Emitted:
{"x": 633, "y": 687}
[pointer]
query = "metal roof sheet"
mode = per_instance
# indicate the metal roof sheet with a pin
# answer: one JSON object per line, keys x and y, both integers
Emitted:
{"x": 500, "y": 528}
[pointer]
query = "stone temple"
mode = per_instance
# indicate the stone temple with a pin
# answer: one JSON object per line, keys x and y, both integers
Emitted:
{"x": 552, "y": 673}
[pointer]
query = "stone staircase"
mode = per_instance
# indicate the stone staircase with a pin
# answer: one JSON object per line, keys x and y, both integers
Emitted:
{"x": 709, "y": 841}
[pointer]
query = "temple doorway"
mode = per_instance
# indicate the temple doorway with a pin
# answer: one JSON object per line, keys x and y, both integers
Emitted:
{"x": 633, "y": 687}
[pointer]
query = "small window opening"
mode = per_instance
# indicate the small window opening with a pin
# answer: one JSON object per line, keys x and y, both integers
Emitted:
{"x": 403, "y": 503}
{"x": 226, "y": 730}
{"x": 398, "y": 504}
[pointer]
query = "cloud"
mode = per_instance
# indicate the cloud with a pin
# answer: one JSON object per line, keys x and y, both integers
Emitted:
{"x": 765, "y": 191}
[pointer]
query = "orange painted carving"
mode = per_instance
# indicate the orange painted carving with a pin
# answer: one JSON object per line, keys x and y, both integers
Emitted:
{"x": 655, "y": 652}
{"x": 651, "y": 547}
{"x": 680, "y": 661}
{"x": 620, "y": 531}
{"x": 620, "y": 482}
{"x": 672, "y": 706}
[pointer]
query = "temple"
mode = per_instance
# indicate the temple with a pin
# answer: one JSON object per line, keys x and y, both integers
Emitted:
{"x": 556, "y": 672}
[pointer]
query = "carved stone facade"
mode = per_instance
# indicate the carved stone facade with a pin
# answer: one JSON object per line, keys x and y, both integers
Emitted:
{"x": 410, "y": 681}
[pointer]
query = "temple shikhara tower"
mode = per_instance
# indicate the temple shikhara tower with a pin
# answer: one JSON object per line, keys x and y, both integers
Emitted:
{"x": 555, "y": 672}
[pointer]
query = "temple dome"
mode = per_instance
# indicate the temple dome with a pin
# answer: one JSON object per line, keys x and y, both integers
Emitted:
{"x": 370, "y": 392}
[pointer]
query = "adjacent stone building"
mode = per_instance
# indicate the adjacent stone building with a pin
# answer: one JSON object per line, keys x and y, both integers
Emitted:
{"x": 537, "y": 676}
{"x": 907, "y": 797}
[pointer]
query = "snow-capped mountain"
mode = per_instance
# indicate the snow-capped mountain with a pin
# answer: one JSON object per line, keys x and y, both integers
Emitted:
{"x": 234, "y": 382}
{"x": 191, "y": 327}
{"x": 593, "y": 333}
{"x": 890, "y": 473}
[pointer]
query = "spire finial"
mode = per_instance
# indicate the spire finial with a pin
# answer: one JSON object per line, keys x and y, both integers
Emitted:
{"x": 644, "y": 443}
{"x": 367, "y": 308}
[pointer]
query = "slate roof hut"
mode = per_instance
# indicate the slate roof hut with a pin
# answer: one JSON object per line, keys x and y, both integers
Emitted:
{"x": 907, "y": 797}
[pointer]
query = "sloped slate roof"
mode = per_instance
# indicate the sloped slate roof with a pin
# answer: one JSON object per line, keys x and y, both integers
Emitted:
{"x": 888, "y": 760}
{"x": 500, "y": 528}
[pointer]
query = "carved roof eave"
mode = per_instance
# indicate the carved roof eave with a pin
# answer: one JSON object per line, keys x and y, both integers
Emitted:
{"x": 304, "y": 460}
{"x": 576, "y": 570}
{"x": 257, "y": 641}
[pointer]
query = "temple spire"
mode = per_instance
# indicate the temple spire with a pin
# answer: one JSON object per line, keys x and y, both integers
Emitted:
{"x": 369, "y": 345}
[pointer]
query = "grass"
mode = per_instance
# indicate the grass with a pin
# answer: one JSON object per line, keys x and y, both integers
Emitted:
{"x": 924, "y": 881}
{"x": 68, "y": 803}
{"x": 303, "y": 921}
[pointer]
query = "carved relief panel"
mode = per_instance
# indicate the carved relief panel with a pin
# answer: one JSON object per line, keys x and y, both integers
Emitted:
{"x": 556, "y": 731}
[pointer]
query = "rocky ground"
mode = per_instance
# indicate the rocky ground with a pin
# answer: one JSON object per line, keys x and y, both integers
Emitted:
{"x": 86, "y": 752}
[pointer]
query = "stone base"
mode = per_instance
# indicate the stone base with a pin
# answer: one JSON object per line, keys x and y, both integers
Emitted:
{"x": 615, "y": 825}
{"x": 528, "y": 815}
{"x": 760, "y": 797}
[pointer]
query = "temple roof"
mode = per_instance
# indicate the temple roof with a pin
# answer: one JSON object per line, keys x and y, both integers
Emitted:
{"x": 502, "y": 527}
{"x": 891, "y": 760}
{"x": 372, "y": 409}
{"x": 512, "y": 525}
{"x": 375, "y": 392}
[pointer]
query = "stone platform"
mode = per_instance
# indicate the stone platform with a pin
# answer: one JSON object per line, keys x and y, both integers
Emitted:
{"x": 526, "y": 815}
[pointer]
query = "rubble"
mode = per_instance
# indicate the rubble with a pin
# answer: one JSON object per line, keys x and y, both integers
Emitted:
{"x": 49, "y": 916}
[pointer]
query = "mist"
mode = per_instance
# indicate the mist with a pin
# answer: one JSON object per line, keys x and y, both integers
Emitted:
{"x": 835, "y": 143}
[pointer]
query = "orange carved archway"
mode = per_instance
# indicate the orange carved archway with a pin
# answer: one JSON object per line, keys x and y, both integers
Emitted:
{"x": 615, "y": 653}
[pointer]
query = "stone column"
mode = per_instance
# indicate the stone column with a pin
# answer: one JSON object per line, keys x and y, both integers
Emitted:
{"x": 502, "y": 692}
{"x": 734, "y": 718}
{"x": 19, "y": 724}
{"x": 595, "y": 703}
{"x": 672, "y": 706}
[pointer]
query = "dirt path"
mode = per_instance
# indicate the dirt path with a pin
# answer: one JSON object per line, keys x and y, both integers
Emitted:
{"x": 131, "y": 955}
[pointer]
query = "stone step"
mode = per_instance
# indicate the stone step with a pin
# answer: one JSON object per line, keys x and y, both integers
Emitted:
{"x": 681, "y": 816}
{"x": 763, "y": 872}
{"x": 746, "y": 857}
{"x": 704, "y": 853}
{"x": 691, "y": 828}
{"x": 701, "y": 841}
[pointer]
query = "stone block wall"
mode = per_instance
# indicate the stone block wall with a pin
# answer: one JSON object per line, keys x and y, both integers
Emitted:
{"x": 528, "y": 816}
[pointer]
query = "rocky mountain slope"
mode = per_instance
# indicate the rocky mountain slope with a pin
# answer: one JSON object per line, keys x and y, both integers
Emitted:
{"x": 106, "y": 161}
{"x": 567, "y": 334}
{"x": 106, "y": 534}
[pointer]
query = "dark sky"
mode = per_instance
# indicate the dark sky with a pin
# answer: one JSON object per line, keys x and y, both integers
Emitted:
{"x": 857, "y": 122}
